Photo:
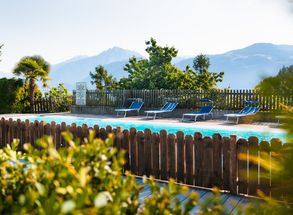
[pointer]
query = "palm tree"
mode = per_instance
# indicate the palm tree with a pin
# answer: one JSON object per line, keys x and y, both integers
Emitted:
{"x": 33, "y": 68}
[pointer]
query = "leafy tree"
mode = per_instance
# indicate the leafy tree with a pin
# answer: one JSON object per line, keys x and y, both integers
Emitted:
{"x": 8, "y": 89}
{"x": 205, "y": 80}
{"x": 102, "y": 79}
{"x": 22, "y": 100}
{"x": 61, "y": 98}
{"x": 158, "y": 72}
{"x": 281, "y": 84}
{"x": 33, "y": 68}
{"x": 201, "y": 63}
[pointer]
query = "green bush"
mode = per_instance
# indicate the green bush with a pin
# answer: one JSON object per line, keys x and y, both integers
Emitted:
{"x": 8, "y": 88}
{"x": 22, "y": 101}
{"x": 61, "y": 97}
{"x": 82, "y": 179}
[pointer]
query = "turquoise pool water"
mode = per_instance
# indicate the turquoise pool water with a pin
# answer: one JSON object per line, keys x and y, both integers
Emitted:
{"x": 187, "y": 128}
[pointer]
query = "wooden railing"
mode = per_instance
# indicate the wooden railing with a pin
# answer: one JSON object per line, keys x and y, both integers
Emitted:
{"x": 222, "y": 99}
{"x": 50, "y": 104}
{"x": 194, "y": 160}
{"x": 43, "y": 105}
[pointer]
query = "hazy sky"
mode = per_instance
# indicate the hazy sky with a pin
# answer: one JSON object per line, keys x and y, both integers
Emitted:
{"x": 61, "y": 29}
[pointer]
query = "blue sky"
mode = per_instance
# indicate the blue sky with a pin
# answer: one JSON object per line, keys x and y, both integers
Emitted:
{"x": 61, "y": 29}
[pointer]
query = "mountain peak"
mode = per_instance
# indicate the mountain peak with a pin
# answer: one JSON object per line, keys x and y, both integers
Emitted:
{"x": 115, "y": 54}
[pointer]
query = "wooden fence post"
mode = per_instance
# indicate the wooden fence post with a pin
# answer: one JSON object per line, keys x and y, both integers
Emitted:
{"x": 125, "y": 147}
{"x": 264, "y": 174}
{"x": 148, "y": 151}
{"x": 242, "y": 147}
{"x": 217, "y": 160}
{"x": 155, "y": 147}
{"x": 189, "y": 159}
{"x": 133, "y": 151}
{"x": 208, "y": 165}
{"x": 276, "y": 146}
{"x": 171, "y": 156}
{"x": 140, "y": 137}
{"x": 180, "y": 156}
{"x": 164, "y": 155}
{"x": 253, "y": 167}
{"x": 198, "y": 154}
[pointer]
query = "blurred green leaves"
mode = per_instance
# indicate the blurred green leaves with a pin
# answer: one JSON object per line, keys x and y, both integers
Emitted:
{"x": 85, "y": 179}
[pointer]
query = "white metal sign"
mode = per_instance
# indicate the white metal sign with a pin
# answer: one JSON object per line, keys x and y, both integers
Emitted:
{"x": 80, "y": 93}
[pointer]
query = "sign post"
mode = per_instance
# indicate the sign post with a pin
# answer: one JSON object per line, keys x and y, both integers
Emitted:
{"x": 80, "y": 93}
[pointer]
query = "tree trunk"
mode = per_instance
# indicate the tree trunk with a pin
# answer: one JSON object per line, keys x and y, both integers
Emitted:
{"x": 32, "y": 94}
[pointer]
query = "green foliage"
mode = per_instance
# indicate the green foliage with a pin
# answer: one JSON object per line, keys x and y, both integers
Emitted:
{"x": 21, "y": 103}
{"x": 282, "y": 84}
{"x": 102, "y": 79}
{"x": 33, "y": 68}
{"x": 8, "y": 88}
{"x": 280, "y": 163}
{"x": 61, "y": 97}
{"x": 205, "y": 80}
{"x": 79, "y": 179}
{"x": 158, "y": 72}
{"x": 82, "y": 179}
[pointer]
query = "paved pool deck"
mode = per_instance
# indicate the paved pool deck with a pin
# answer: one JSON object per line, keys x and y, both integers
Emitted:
{"x": 210, "y": 123}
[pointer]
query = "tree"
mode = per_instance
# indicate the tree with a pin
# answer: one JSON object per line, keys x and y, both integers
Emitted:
{"x": 201, "y": 63}
{"x": 33, "y": 68}
{"x": 206, "y": 80}
{"x": 21, "y": 102}
{"x": 61, "y": 97}
{"x": 281, "y": 84}
{"x": 8, "y": 89}
{"x": 158, "y": 72}
{"x": 102, "y": 79}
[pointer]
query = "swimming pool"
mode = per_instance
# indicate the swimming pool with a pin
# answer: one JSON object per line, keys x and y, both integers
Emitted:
{"x": 187, "y": 128}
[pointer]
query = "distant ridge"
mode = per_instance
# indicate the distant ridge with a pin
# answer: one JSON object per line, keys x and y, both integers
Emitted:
{"x": 77, "y": 69}
{"x": 243, "y": 67}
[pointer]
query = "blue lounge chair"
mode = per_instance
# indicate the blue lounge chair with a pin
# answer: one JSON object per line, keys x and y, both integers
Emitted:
{"x": 246, "y": 111}
{"x": 135, "y": 106}
{"x": 168, "y": 107}
{"x": 204, "y": 111}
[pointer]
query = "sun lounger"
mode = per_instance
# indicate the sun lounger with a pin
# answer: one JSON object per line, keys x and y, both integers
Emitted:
{"x": 135, "y": 106}
{"x": 204, "y": 111}
{"x": 246, "y": 111}
{"x": 167, "y": 108}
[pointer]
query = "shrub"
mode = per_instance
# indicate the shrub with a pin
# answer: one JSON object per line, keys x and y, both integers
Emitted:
{"x": 8, "y": 88}
{"x": 61, "y": 97}
{"x": 81, "y": 179}
{"x": 22, "y": 101}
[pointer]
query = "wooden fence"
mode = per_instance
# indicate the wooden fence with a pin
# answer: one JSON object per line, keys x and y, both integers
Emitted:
{"x": 52, "y": 104}
{"x": 223, "y": 99}
{"x": 194, "y": 160}
{"x": 44, "y": 105}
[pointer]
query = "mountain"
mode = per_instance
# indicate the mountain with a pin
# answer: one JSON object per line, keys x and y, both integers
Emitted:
{"x": 77, "y": 69}
{"x": 244, "y": 68}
